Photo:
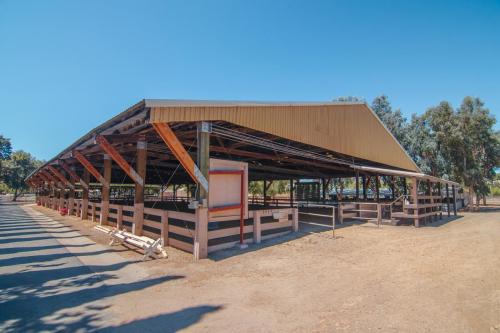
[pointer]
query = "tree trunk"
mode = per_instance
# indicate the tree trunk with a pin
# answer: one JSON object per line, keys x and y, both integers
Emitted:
{"x": 471, "y": 199}
{"x": 15, "y": 195}
{"x": 484, "y": 200}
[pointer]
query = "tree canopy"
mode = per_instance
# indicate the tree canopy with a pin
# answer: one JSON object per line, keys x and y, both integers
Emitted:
{"x": 15, "y": 170}
{"x": 453, "y": 144}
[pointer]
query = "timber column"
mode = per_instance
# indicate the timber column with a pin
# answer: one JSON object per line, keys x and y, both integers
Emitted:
{"x": 61, "y": 196}
{"x": 453, "y": 189}
{"x": 105, "y": 191}
{"x": 448, "y": 199}
{"x": 414, "y": 195}
{"x": 71, "y": 196}
{"x": 200, "y": 248}
{"x": 85, "y": 195}
{"x": 139, "y": 188}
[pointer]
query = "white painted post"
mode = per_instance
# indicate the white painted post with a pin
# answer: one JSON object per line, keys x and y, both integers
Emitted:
{"x": 200, "y": 248}
{"x": 295, "y": 219}
{"x": 257, "y": 234}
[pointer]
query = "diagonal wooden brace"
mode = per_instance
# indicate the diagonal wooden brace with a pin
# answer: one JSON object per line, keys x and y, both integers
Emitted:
{"x": 173, "y": 143}
{"x": 43, "y": 177}
{"x": 50, "y": 178}
{"x": 60, "y": 176}
{"x": 73, "y": 174}
{"x": 87, "y": 165}
{"x": 122, "y": 163}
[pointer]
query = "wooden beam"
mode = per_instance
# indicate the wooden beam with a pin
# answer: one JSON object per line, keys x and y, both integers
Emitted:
{"x": 72, "y": 173}
{"x": 203, "y": 155}
{"x": 122, "y": 163}
{"x": 89, "y": 167}
{"x": 357, "y": 185}
{"x": 85, "y": 195}
{"x": 139, "y": 188}
{"x": 59, "y": 175}
{"x": 51, "y": 178}
{"x": 173, "y": 143}
{"x": 262, "y": 156}
{"x": 103, "y": 220}
{"x": 414, "y": 195}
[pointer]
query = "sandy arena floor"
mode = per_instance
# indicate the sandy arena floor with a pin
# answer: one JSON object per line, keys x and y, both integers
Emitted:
{"x": 444, "y": 277}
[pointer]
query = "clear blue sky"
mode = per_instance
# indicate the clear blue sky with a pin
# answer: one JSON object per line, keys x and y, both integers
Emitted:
{"x": 67, "y": 66}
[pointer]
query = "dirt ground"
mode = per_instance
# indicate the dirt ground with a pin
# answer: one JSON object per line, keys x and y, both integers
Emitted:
{"x": 444, "y": 277}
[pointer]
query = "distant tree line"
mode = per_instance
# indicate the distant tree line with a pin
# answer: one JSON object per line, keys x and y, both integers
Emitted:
{"x": 457, "y": 144}
{"x": 15, "y": 166}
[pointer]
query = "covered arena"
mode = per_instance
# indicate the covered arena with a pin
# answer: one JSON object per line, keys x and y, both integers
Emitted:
{"x": 180, "y": 171}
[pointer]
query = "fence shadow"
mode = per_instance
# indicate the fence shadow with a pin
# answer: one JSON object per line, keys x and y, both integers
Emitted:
{"x": 165, "y": 323}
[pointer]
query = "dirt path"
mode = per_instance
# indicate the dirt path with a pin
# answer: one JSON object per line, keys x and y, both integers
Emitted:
{"x": 440, "y": 278}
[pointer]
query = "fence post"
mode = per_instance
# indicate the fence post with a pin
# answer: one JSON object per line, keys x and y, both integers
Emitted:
{"x": 200, "y": 248}
{"x": 256, "y": 227}
{"x": 379, "y": 214}
{"x": 93, "y": 212}
{"x": 119, "y": 217}
{"x": 333, "y": 221}
{"x": 164, "y": 228}
{"x": 341, "y": 217}
{"x": 295, "y": 219}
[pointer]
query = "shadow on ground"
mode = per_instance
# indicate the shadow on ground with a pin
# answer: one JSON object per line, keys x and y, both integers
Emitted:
{"x": 55, "y": 292}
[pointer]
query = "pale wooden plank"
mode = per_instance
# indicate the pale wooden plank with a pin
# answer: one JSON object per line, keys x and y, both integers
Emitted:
{"x": 276, "y": 225}
{"x": 180, "y": 245}
{"x": 180, "y": 231}
{"x": 228, "y": 232}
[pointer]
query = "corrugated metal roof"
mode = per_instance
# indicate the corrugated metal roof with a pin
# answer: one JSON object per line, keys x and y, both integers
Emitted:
{"x": 158, "y": 103}
{"x": 349, "y": 128}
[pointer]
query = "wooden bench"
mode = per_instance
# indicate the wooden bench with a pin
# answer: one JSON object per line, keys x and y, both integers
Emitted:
{"x": 150, "y": 246}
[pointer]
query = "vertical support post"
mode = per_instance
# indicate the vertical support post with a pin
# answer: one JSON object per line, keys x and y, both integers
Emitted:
{"x": 93, "y": 212}
{"x": 203, "y": 156}
{"x": 105, "y": 190}
{"x": 455, "y": 201}
{"x": 357, "y": 185}
{"x": 363, "y": 178}
{"x": 61, "y": 197}
{"x": 341, "y": 214}
{"x": 257, "y": 236}
{"x": 405, "y": 190}
{"x": 119, "y": 217}
{"x": 291, "y": 192}
{"x": 200, "y": 248}
{"x": 264, "y": 191}
{"x": 333, "y": 221}
{"x": 379, "y": 214}
{"x": 295, "y": 219}
{"x": 448, "y": 199}
{"x": 85, "y": 195}
{"x": 71, "y": 197}
{"x": 393, "y": 187}
{"x": 377, "y": 188}
{"x": 139, "y": 188}
{"x": 164, "y": 228}
{"x": 440, "y": 201}
{"x": 323, "y": 189}
{"x": 414, "y": 194}
{"x": 431, "y": 200}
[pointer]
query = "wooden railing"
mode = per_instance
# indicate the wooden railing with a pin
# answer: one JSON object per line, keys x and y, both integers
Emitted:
{"x": 177, "y": 229}
{"x": 224, "y": 232}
